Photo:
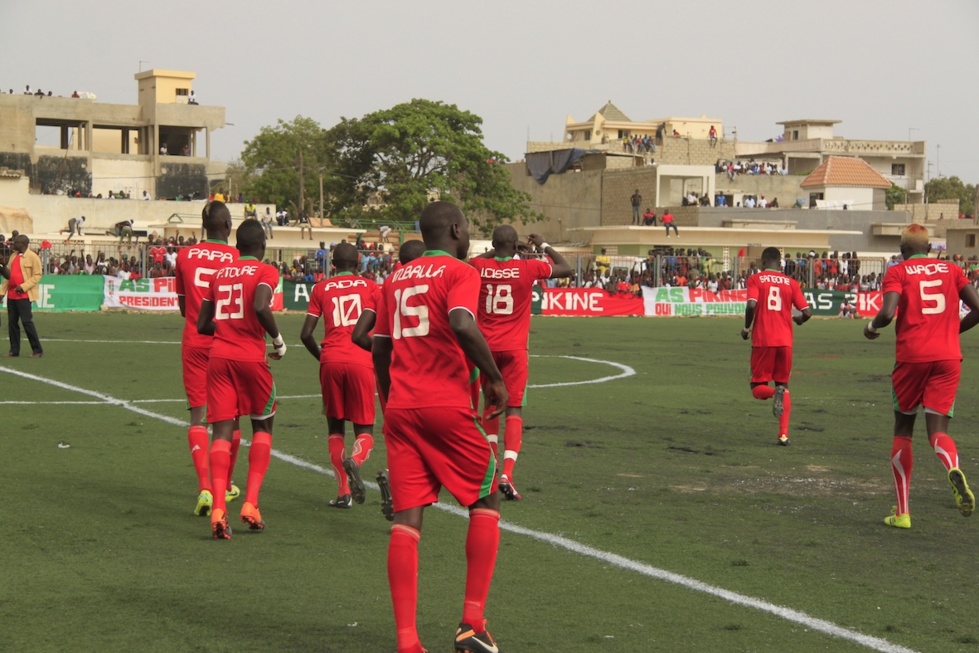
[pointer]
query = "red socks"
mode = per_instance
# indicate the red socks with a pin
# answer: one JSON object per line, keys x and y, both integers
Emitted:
{"x": 902, "y": 461}
{"x": 220, "y": 459}
{"x": 763, "y": 392}
{"x": 199, "y": 443}
{"x": 259, "y": 455}
{"x": 235, "y": 445}
{"x": 337, "y": 455}
{"x": 945, "y": 449}
{"x": 363, "y": 445}
{"x": 783, "y": 421}
{"x": 482, "y": 544}
{"x": 512, "y": 439}
{"x": 403, "y": 579}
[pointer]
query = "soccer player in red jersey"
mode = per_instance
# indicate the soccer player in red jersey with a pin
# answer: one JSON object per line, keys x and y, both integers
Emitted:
{"x": 363, "y": 338}
{"x": 768, "y": 321}
{"x": 925, "y": 294}
{"x": 346, "y": 370}
{"x": 426, "y": 329}
{"x": 195, "y": 267}
{"x": 235, "y": 309}
{"x": 505, "y": 291}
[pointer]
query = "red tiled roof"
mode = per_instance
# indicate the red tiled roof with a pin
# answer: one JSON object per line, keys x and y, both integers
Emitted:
{"x": 845, "y": 171}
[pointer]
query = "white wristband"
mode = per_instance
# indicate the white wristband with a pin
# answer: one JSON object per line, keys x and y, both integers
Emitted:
{"x": 278, "y": 341}
{"x": 543, "y": 246}
{"x": 870, "y": 327}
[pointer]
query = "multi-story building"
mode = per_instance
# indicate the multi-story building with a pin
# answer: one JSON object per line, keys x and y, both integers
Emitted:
{"x": 79, "y": 146}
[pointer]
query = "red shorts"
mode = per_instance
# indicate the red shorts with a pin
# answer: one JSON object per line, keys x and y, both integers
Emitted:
{"x": 932, "y": 385}
{"x": 348, "y": 392}
{"x": 771, "y": 364}
{"x": 515, "y": 370}
{"x": 239, "y": 388}
{"x": 435, "y": 447}
{"x": 195, "y": 375}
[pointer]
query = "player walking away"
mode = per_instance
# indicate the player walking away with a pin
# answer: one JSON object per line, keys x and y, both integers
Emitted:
{"x": 768, "y": 320}
{"x": 346, "y": 370}
{"x": 195, "y": 267}
{"x": 925, "y": 293}
{"x": 235, "y": 309}
{"x": 426, "y": 329}
{"x": 362, "y": 337}
{"x": 505, "y": 289}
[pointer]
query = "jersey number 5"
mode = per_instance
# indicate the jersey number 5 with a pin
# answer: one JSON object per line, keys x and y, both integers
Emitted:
{"x": 499, "y": 299}
{"x": 927, "y": 297}
{"x": 229, "y": 305}
{"x": 403, "y": 310}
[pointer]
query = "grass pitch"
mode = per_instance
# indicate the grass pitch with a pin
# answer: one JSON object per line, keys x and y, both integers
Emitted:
{"x": 672, "y": 470}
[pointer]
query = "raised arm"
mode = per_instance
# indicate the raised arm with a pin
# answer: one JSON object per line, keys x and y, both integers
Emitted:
{"x": 559, "y": 266}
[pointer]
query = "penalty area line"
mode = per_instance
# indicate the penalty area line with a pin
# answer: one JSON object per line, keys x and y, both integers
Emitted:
{"x": 615, "y": 560}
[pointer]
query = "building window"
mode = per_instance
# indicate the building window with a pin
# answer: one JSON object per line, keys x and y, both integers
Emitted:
{"x": 897, "y": 169}
{"x": 795, "y": 134}
{"x": 183, "y": 91}
{"x": 970, "y": 240}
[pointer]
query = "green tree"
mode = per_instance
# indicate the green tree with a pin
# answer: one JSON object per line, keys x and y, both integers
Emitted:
{"x": 952, "y": 188}
{"x": 278, "y": 156}
{"x": 400, "y": 158}
{"x": 895, "y": 195}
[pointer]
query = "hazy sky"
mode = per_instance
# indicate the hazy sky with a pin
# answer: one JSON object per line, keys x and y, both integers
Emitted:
{"x": 883, "y": 68}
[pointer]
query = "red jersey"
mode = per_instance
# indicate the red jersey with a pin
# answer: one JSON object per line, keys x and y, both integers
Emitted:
{"x": 428, "y": 367}
{"x": 16, "y": 279}
{"x": 776, "y": 295}
{"x": 505, "y": 291}
{"x": 195, "y": 267}
{"x": 340, "y": 300}
{"x": 928, "y": 311}
{"x": 238, "y": 334}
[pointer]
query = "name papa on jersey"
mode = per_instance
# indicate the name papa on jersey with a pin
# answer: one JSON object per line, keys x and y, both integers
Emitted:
{"x": 211, "y": 255}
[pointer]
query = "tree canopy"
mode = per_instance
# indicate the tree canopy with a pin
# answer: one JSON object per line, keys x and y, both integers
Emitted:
{"x": 949, "y": 188}
{"x": 387, "y": 165}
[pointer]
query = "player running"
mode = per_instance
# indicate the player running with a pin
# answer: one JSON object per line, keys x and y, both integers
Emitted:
{"x": 346, "y": 370}
{"x": 426, "y": 329}
{"x": 195, "y": 267}
{"x": 768, "y": 321}
{"x": 361, "y": 336}
{"x": 505, "y": 290}
{"x": 925, "y": 293}
{"x": 235, "y": 309}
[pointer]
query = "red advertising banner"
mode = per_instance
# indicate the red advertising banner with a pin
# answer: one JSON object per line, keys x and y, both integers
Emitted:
{"x": 593, "y": 302}
{"x": 869, "y": 303}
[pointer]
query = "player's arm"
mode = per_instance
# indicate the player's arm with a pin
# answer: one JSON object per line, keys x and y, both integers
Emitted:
{"x": 490, "y": 254}
{"x": 803, "y": 316}
{"x": 182, "y": 304}
{"x": 471, "y": 340}
{"x": 205, "y": 319}
{"x": 381, "y": 353}
{"x": 306, "y": 335}
{"x": 886, "y": 315}
{"x": 361, "y": 335}
{"x": 969, "y": 295}
{"x": 263, "y": 312}
{"x": 749, "y": 318}
{"x": 559, "y": 266}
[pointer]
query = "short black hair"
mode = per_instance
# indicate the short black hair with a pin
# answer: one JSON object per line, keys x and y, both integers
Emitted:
{"x": 345, "y": 256}
{"x": 250, "y": 235}
{"x": 438, "y": 217}
{"x": 410, "y": 251}
{"x": 214, "y": 215}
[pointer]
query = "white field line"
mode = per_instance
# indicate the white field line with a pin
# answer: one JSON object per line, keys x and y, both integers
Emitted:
{"x": 795, "y": 616}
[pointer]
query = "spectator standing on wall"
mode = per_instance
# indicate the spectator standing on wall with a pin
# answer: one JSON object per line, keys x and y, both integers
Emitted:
{"x": 636, "y": 200}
